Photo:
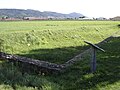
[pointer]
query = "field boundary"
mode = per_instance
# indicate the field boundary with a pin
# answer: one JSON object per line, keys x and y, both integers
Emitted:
{"x": 81, "y": 55}
{"x": 47, "y": 65}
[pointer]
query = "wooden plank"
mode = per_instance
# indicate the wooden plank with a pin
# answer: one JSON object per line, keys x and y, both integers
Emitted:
{"x": 38, "y": 63}
{"x": 94, "y": 46}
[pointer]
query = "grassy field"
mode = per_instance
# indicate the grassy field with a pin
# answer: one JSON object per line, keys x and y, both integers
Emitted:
{"x": 54, "y": 41}
{"x": 59, "y": 41}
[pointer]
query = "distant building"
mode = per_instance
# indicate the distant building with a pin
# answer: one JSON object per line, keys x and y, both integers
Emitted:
{"x": 117, "y": 18}
{"x": 101, "y": 18}
{"x": 9, "y": 19}
{"x": 86, "y": 18}
{"x": 35, "y": 18}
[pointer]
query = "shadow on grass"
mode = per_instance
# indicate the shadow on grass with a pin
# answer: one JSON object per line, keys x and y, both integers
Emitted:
{"x": 56, "y": 55}
{"x": 25, "y": 75}
{"x": 77, "y": 77}
{"x": 108, "y": 71}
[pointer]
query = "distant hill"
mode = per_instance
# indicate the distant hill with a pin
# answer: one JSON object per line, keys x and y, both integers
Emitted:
{"x": 20, "y": 13}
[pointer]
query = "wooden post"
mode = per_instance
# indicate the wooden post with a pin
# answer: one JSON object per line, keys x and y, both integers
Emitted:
{"x": 38, "y": 63}
{"x": 93, "y": 61}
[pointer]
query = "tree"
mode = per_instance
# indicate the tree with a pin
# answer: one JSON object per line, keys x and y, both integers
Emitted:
{"x": 82, "y": 17}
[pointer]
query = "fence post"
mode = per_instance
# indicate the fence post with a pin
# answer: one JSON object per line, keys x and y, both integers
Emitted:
{"x": 93, "y": 61}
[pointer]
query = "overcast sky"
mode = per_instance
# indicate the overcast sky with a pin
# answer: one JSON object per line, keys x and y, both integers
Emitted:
{"x": 90, "y": 8}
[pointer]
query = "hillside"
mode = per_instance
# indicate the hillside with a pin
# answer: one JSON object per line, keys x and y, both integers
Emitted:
{"x": 20, "y": 13}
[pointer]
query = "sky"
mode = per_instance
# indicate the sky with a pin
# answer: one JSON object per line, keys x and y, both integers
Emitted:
{"x": 89, "y": 8}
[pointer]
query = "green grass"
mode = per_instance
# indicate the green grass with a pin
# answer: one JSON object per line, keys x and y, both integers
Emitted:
{"x": 77, "y": 77}
{"x": 54, "y": 41}
{"x": 58, "y": 41}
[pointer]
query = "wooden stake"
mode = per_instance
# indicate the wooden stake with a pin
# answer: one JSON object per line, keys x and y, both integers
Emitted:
{"x": 93, "y": 61}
